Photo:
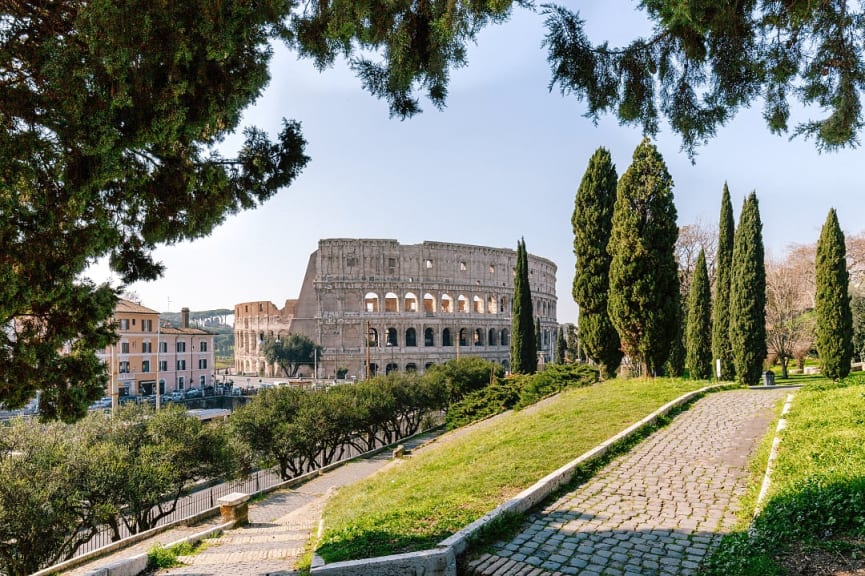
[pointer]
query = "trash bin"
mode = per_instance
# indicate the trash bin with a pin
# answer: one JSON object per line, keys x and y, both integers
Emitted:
{"x": 769, "y": 378}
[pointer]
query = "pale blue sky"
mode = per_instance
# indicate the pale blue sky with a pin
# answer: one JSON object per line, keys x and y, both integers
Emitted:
{"x": 502, "y": 161}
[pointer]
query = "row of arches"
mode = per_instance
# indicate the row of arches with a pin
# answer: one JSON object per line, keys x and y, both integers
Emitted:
{"x": 430, "y": 338}
{"x": 430, "y": 304}
{"x": 375, "y": 368}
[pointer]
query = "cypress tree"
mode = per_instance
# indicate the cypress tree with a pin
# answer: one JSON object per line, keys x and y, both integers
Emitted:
{"x": 524, "y": 355}
{"x": 834, "y": 332}
{"x": 721, "y": 309}
{"x": 748, "y": 295}
{"x": 699, "y": 328}
{"x": 538, "y": 334}
{"x": 561, "y": 346}
{"x": 675, "y": 365}
{"x": 644, "y": 280}
{"x": 592, "y": 222}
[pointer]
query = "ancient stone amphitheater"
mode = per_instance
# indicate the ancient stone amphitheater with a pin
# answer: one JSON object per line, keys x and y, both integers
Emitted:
{"x": 377, "y": 306}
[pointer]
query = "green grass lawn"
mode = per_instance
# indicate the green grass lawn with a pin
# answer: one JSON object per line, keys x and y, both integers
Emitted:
{"x": 813, "y": 521}
{"x": 424, "y": 499}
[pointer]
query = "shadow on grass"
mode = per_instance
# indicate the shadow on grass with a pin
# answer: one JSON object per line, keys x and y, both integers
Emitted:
{"x": 373, "y": 543}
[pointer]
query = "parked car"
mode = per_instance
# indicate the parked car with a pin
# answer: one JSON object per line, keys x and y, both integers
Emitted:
{"x": 193, "y": 393}
{"x": 176, "y": 396}
{"x": 101, "y": 404}
{"x": 128, "y": 399}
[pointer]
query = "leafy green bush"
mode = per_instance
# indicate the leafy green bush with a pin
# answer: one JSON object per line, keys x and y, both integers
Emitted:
{"x": 518, "y": 391}
{"x": 553, "y": 380}
{"x": 496, "y": 398}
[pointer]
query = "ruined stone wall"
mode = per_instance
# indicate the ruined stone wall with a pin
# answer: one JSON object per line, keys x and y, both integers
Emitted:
{"x": 417, "y": 305}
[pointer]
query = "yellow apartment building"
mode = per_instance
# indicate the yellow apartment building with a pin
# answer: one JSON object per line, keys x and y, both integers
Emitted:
{"x": 147, "y": 352}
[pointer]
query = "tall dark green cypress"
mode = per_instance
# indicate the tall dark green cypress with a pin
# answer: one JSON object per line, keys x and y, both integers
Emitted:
{"x": 721, "y": 349}
{"x": 561, "y": 346}
{"x": 834, "y": 332}
{"x": 644, "y": 279}
{"x": 592, "y": 222}
{"x": 538, "y": 338}
{"x": 524, "y": 353}
{"x": 699, "y": 328}
{"x": 675, "y": 364}
{"x": 748, "y": 295}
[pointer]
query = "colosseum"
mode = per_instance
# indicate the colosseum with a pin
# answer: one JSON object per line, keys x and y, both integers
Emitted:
{"x": 376, "y": 305}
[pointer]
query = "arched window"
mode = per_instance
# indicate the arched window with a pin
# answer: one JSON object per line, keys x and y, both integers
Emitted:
{"x": 447, "y": 303}
{"x": 410, "y": 302}
{"x": 391, "y": 302}
{"x": 373, "y": 337}
{"x": 429, "y": 303}
{"x": 373, "y": 368}
{"x": 477, "y": 305}
{"x": 491, "y": 337}
{"x": 446, "y": 337}
{"x": 370, "y": 302}
{"x": 391, "y": 337}
{"x": 429, "y": 337}
{"x": 463, "y": 337}
{"x": 462, "y": 304}
{"x": 411, "y": 367}
{"x": 478, "y": 338}
{"x": 411, "y": 337}
{"x": 502, "y": 305}
{"x": 492, "y": 305}
{"x": 392, "y": 367}
{"x": 504, "y": 340}
{"x": 428, "y": 365}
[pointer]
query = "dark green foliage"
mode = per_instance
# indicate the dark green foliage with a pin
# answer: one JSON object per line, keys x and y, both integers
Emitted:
{"x": 561, "y": 346}
{"x": 538, "y": 339}
{"x": 748, "y": 296}
{"x": 699, "y": 326}
{"x": 553, "y": 380}
{"x": 524, "y": 355}
{"x": 644, "y": 282}
{"x": 721, "y": 309}
{"x": 109, "y": 114}
{"x": 592, "y": 223}
{"x": 290, "y": 353}
{"x": 857, "y": 307}
{"x": 675, "y": 364}
{"x": 462, "y": 376}
{"x": 834, "y": 331}
{"x": 518, "y": 391}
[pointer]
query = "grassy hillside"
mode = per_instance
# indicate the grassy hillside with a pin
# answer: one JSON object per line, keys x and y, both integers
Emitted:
{"x": 420, "y": 501}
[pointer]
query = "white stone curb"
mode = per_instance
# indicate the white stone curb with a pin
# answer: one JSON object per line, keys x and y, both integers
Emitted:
{"x": 773, "y": 455}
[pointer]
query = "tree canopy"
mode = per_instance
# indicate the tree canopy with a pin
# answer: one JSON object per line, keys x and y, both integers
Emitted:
{"x": 291, "y": 353}
{"x": 109, "y": 114}
{"x": 644, "y": 284}
{"x": 592, "y": 222}
{"x": 703, "y": 62}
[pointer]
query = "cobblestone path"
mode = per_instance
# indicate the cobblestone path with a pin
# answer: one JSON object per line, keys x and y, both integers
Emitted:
{"x": 657, "y": 510}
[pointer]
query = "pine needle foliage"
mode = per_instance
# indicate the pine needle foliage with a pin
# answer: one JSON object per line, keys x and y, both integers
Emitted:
{"x": 834, "y": 331}
{"x": 699, "y": 327}
{"x": 524, "y": 355}
{"x": 721, "y": 309}
{"x": 644, "y": 282}
{"x": 592, "y": 222}
{"x": 748, "y": 295}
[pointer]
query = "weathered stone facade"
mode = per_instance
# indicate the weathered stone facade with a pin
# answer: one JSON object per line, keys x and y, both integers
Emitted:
{"x": 420, "y": 305}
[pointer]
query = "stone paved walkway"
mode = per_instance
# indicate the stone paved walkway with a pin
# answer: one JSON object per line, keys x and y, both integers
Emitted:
{"x": 657, "y": 510}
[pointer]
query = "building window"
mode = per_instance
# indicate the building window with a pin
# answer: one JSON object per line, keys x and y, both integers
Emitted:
{"x": 202, "y": 346}
{"x": 163, "y": 365}
{"x": 428, "y": 263}
{"x": 446, "y": 337}
{"x": 123, "y": 367}
{"x": 180, "y": 383}
{"x": 124, "y": 347}
{"x": 145, "y": 365}
{"x": 124, "y": 324}
{"x": 463, "y": 266}
{"x": 410, "y": 337}
{"x": 147, "y": 325}
{"x": 181, "y": 347}
{"x": 492, "y": 268}
{"x": 163, "y": 347}
{"x": 202, "y": 380}
{"x": 146, "y": 347}
{"x": 202, "y": 364}
{"x": 181, "y": 364}
{"x": 428, "y": 337}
